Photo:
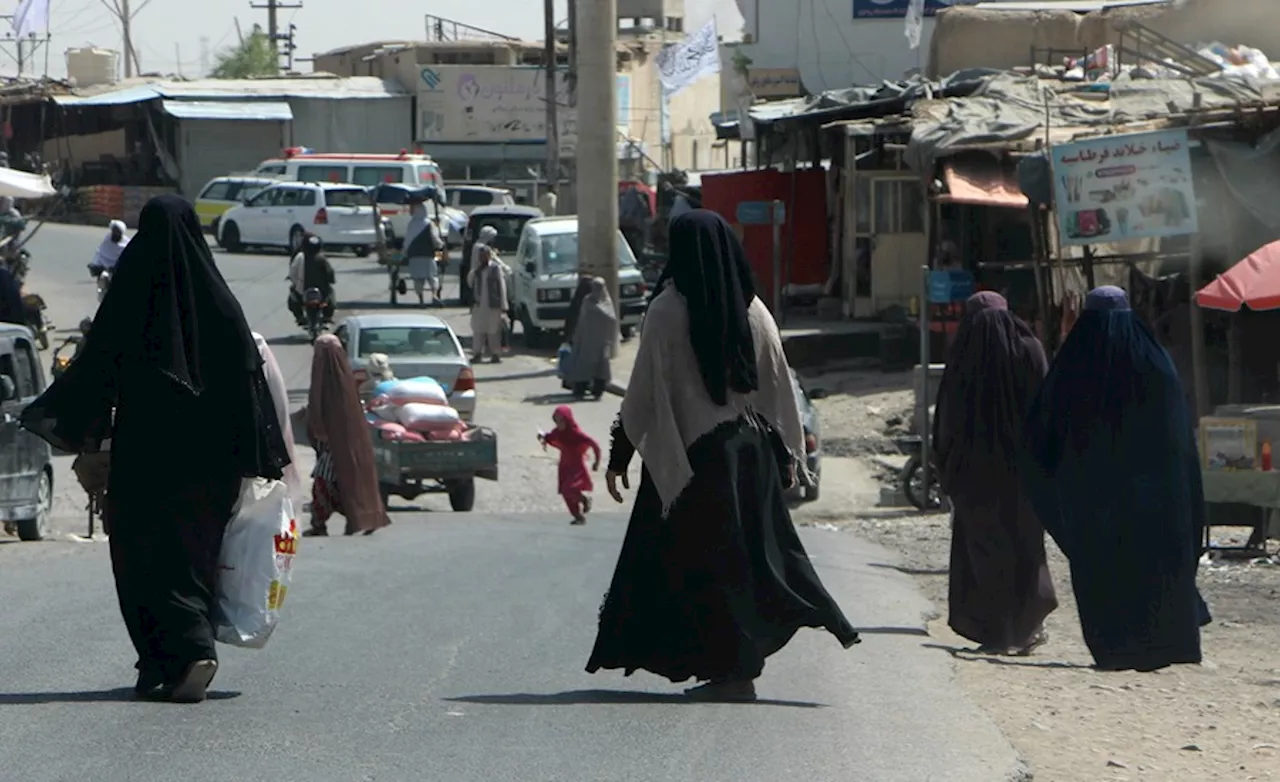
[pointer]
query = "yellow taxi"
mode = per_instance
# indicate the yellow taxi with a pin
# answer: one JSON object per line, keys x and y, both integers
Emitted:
{"x": 224, "y": 192}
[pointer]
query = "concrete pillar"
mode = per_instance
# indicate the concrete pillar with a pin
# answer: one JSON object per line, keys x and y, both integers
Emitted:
{"x": 597, "y": 163}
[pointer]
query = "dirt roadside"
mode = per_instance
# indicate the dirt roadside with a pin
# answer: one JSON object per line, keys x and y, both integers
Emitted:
{"x": 1216, "y": 721}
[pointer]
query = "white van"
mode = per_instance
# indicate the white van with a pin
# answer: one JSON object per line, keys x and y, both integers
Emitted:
{"x": 545, "y": 272}
{"x": 352, "y": 169}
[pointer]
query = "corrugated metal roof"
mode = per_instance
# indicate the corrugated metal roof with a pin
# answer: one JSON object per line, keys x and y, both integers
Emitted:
{"x": 324, "y": 88}
{"x": 228, "y": 109}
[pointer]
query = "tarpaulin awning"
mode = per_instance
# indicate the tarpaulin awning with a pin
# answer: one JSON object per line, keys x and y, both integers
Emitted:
{"x": 24, "y": 184}
{"x": 981, "y": 184}
{"x": 228, "y": 109}
{"x": 1253, "y": 282}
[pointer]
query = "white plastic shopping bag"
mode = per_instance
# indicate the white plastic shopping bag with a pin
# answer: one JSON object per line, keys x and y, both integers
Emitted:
{"x": 256, "y": 563}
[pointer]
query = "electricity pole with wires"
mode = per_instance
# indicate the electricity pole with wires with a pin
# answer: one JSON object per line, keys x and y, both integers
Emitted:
{"x": 273, "y": 9}
{"x": 552, "y": 173}
{"x": 124, "y": 14}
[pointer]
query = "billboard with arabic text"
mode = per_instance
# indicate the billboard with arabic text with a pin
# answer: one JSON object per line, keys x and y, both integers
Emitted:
{"x": 1135, "y": 186}
{"x": 894, "y": 9}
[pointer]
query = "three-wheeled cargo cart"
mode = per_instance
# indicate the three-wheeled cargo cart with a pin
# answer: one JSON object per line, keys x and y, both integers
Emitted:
{"x": 407, "y": 470}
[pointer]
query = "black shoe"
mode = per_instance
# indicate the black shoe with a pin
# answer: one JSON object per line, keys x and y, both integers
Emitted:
{"x": 193, "y": 687}
{"x": 148, "y": 682}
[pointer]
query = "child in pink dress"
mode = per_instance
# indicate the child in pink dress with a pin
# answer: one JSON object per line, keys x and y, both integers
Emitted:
{"x": 574, "y": 478}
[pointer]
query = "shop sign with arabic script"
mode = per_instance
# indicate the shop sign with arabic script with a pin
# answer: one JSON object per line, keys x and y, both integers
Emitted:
{"x": 1115, "y": 188}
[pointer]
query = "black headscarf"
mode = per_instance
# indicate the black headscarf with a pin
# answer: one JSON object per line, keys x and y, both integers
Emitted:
{"x": 994, "y": 368}
{"x": 709, "y": 268}
{"x": 168, "y": 310}
{"x": 11, "y": 309}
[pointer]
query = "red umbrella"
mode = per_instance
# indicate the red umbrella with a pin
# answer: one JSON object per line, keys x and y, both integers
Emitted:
{"x": 1253, "y": 282}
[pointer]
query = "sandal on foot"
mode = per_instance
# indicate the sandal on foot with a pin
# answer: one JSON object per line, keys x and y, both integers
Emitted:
{"x": 315, "y": 532}
{"x": 1039, "y": 639}
{"x": 193, "y": 687}
{"x": 723, "y": 692}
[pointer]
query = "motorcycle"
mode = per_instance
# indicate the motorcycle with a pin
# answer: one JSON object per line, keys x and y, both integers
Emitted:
{"x": 17, "y": 260}
{"x": 912, "y": 477}
{"x": 313, "y": 302}
{"x": 103, "y": 276}
{"x": 34, "y": 314}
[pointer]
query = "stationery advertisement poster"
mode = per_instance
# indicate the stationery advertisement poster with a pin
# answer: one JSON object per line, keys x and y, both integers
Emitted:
{"x": 1135, "y": 186}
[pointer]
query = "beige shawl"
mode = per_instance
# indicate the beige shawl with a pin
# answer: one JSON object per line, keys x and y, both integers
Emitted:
{"x": 667, "y": 408}
{"x": 280, "y": 396}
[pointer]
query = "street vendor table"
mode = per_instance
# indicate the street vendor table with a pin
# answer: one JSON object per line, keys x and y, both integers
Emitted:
{"x": 1253, "y": 488}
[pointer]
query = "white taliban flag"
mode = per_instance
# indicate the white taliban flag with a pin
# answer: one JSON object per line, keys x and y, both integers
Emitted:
{"x": 915, "y": 23}
{"x": 684, "y": 63}
{"x": 31, "y": 18}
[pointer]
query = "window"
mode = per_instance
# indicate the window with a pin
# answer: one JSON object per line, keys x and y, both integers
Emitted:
{"x": 376, "y": 175}
{"x": 289, "y": 196}
{"x": 474, "y": 197}
{"x": 351, "y": 197}
{"x": 560, "y": 254}
{"x": 275, "y": 169}
{"x": 217, "y": 191}
{"x": 248, "y": 192}
{"x": 392, "y": 195}
{"x": 319, "y": 173}
{"x": 409, "y": 342}
{"x": 27, "y": 371}
{"x": 507, "y": 226}
{"x": 899, "y": 206}
{"x": 268, "y": 197}
{"x": 306, "y": 197}
{"x": 430, "y": 175}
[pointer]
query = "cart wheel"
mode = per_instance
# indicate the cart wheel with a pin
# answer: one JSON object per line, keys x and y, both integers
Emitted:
{"x": 913, "y": 487}
{"x": 462, "y": 495}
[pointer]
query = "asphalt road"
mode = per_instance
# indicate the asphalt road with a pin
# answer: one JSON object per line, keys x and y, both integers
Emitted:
{"x": 451, "y": 646}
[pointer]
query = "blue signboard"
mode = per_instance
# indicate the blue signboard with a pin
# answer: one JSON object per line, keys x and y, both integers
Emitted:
{"x": 1132, "y": 186}
{"x": 894, "y": 9}
{"x": 757, "y": 213}
{"x": 948, "y": 286}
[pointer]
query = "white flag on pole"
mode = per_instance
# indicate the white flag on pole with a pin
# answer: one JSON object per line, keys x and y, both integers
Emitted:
{"x": 915, "y": 22}
{"x": 31, "y": 18}
{"x": 680, "y": 65}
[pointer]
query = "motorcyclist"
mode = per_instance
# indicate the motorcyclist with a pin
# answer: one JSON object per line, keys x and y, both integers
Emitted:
{"x": 311, "y": 269}
{"x": 108, "y": 253}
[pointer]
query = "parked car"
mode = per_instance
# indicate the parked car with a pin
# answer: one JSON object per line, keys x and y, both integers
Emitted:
{"x": 417, "y": 345}
{"x": 393, "y": 202}
{"x": 224, "y": 192}
{"x": 26, "y": 461}
{"x": 468, "y": 198}
{"x": 808, "y": 490}
{"x": 545, "y": 272}
{"x": 341, "y": 215}
{"x": 509, "y": 221}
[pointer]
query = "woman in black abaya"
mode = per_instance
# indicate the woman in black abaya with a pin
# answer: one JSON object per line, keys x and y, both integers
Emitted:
{"x": 1115, "y": 478}
{"x": 1000, "y": 590}
{"x": 712, "y": 578}
{"x": 170, "y": 374}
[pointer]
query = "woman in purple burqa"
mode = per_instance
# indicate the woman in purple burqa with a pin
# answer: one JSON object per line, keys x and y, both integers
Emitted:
{"x": 1000, "y": 590}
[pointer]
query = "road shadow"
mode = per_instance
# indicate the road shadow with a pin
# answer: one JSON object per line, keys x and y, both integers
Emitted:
{"x": 300, "y": 338}
{"x": 972, "y": 655}
{"x": 561, "y": 398}
{"x": 912, "y": 571}
{"x": 118, "y": 695}
{"x": 380, "y": 304}
{"x": 615, "y": 697}
{"x": 541, "y": 373}
{"x": 892, "y": 631}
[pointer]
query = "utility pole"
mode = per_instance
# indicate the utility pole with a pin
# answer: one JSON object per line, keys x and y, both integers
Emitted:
{"x": 597, "y": 147}
{"x": 273, "y": 9}
{"x": 125, "y": 14}
{"x": 552, "y": 172}
{"x": 573, "y": 53}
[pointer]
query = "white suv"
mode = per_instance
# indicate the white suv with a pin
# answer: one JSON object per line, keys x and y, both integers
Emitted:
{"x": 341, "y": 215}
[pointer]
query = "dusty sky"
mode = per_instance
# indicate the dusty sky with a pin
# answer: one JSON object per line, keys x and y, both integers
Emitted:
{"x": 322, "y": 25}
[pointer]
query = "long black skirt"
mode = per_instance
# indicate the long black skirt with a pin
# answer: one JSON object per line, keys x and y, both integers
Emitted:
{"x": 720, "y": 584}
{"x": 164, "y": 553}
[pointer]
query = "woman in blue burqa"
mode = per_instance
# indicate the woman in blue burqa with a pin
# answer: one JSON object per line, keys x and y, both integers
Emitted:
{"x": 1000, "y": 591}
{"x": 712, "y": 578}
{"x": 171, "y": 376}
{"x": 1115, "y": 478}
